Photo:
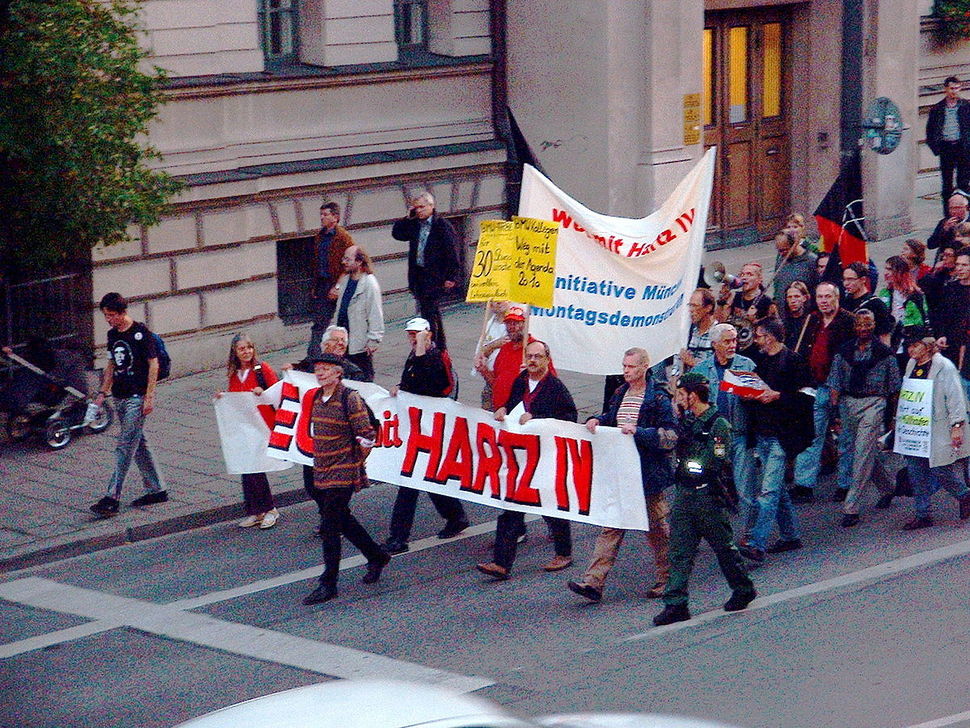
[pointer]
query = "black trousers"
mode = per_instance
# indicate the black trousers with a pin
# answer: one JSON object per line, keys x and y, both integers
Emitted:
{"x": 366, "y": 363}
{"x": 309, "y": 487}
{"x": 429, "y": 309}
{"x": 402, "y": 517}
{"x": 336, "y": 520}
{"x": 256, "y": 493}
{"x": 323, "y": 308}
{"x": 511, "y": 525}
{"x": 952, "y": 159}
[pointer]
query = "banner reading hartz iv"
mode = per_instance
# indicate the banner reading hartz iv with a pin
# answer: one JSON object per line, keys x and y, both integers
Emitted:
{"x": 620, "y": 282}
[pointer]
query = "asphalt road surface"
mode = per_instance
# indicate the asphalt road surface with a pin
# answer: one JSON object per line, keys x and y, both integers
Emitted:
{"x": 865, "y": 627}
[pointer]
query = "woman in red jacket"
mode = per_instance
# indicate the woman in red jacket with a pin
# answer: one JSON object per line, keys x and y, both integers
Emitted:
{"x": 248, "y": 374}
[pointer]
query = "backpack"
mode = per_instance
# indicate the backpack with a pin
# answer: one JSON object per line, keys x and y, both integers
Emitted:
{"x": 452, "y": 389}
{"x": 164, "y": 360}
{"x": 374, "y": 422}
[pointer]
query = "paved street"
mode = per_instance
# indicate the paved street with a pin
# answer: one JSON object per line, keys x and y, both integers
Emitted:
{"x": 856, "y": 630}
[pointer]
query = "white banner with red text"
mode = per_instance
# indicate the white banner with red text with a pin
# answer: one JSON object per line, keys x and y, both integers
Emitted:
{"x": 546, "y": 467}
{"x": 619, "y": 282}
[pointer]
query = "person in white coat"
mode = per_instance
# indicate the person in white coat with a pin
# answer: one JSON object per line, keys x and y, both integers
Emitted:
{"x": 360, "y": 310}
{"x": 948, "y": 437}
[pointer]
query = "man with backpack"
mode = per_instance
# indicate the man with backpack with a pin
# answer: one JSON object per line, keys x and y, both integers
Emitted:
{"x": 426, "y": 372}
{"x": 134, "y": 368}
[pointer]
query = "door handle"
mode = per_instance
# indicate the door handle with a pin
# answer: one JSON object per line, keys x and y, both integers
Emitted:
{"x": 772, "y": 152}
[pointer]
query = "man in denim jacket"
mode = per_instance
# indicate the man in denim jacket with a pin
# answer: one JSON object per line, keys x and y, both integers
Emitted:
{"x": 644, "y": 411}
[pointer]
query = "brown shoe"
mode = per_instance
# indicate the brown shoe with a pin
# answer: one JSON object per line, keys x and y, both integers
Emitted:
{"x": 493, "y": 570}
{"x": 558, "y": 563}
{"x": 657, "y": 590}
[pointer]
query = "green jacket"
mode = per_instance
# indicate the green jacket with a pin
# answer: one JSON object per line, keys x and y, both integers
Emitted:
{"x": 704, "y": 449}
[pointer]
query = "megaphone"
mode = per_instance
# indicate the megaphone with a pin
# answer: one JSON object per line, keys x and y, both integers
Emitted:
{"x": 716, "y": 273}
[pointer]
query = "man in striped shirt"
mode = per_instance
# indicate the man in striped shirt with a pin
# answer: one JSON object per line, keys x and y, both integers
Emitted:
{"x": 342, "y": 436}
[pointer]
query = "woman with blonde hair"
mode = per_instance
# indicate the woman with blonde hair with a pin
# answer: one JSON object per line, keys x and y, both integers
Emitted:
{"x": 248, "y": 374}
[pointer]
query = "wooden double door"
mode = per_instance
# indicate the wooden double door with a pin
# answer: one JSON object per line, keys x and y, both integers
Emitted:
{"x": 746, "y": 113}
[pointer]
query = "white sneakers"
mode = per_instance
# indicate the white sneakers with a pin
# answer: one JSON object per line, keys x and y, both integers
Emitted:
{"x": 269, "y": 519}
{"x": 263, "y": 520}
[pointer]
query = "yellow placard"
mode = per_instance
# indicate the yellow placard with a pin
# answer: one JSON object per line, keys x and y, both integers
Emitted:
{"x": 534, "y": 263}
{"x": 491, "y": 277}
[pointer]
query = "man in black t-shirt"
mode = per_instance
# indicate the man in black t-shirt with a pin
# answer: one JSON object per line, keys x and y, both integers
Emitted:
{"x": 130, "y": 378}
{"x": 858, "y": 297}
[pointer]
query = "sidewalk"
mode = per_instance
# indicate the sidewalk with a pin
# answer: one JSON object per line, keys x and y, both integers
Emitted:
{"x": 45, "y": 495}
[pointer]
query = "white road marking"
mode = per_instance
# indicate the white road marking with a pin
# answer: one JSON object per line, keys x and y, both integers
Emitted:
{"x": 11, "y": 649}
{"x": 870, "y": 574}
{"x": 110, "y": 611}
{"x": 948, "y": 720}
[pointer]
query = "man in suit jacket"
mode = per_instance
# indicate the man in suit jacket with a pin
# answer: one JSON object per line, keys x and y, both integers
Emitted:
{"x": 329, "y": 246}
{"x": 948, "y": 136}
{"x": 434, "y": 266}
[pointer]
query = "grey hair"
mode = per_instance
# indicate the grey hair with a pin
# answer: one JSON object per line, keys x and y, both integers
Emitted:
{"x": 835, "y": 288}
{"x": 718, "y": 331}
{"x": 642, "y": 353}
{"x": 426, "y": 196}
{"x": 331, "y": 329}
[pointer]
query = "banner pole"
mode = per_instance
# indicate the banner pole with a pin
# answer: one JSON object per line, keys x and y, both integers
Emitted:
{"x": 525, "y": 335}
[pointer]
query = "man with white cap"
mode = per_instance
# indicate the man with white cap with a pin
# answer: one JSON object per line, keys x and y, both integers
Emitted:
{"x": 426, "y": 373}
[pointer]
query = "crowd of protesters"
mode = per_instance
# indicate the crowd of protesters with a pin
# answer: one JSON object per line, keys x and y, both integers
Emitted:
{"x": 829, "y": 344}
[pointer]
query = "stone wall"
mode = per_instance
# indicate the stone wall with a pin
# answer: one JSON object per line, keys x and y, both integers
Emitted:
{"x": 210, "y": 268}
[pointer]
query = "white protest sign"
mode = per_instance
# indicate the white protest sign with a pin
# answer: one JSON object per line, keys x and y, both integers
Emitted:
{"x": 914, "y": 418}
{"x": 620, "y": 282}
{"x": 244, "y": 434}
{"x": 546, "y": 467}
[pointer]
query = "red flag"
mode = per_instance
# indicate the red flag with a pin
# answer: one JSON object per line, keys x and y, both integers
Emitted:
{"x": 839, "y": 216}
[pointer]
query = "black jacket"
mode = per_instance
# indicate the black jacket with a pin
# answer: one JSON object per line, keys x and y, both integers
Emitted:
{"x": 441, "y": 255}
{"x": 934, "y": 125}
{"x": 426, "y": 374}
{"x": 552, "y": 400}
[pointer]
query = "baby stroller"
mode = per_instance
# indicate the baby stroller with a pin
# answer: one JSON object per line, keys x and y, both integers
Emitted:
{"x": 47, "y": 396}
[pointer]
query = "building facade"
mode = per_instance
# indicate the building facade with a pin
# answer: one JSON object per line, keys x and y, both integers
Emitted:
{"x": 278, "y": 105}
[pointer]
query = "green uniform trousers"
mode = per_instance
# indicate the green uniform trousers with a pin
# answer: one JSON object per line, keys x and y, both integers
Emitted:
{"x": 698, "y": 514}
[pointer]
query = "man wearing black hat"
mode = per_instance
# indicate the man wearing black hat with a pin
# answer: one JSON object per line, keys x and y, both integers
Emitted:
{"x": 702, "y": 501}
{"x": 342, "y": 436}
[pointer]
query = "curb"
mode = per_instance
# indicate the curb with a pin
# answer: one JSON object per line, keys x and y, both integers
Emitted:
{"x": 178, "y": 524}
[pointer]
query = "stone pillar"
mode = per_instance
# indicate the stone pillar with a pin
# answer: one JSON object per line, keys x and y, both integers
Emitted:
{"x": 890, "y": 65}
{"x": 598, "y": 90}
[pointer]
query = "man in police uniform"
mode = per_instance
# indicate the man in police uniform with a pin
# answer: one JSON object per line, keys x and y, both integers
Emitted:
{"x": 701, "y": 502}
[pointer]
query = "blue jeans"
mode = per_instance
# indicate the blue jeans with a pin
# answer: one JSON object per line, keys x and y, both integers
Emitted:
{"x": 926, "y": 481}
{"x": 773, "y": 500}
{"x": 809, "y": 461}
{"x": 745, "y": 480}
{"x": 132, "y": 443}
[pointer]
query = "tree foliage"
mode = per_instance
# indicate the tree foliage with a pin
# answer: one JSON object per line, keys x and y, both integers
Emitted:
{"x": 75, "y": 105}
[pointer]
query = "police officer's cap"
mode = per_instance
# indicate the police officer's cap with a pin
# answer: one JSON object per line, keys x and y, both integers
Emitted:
{"x": 692, "y": 380}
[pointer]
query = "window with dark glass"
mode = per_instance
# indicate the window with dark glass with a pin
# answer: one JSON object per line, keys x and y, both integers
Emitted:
{"x": 411, "y": 24}
{"x": 277, "y": 19}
